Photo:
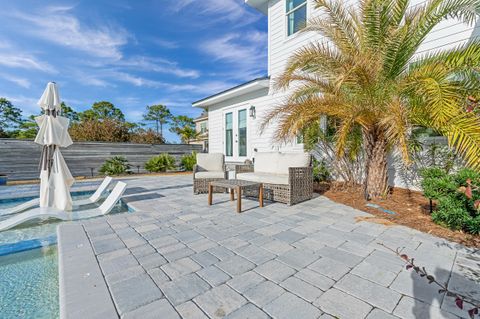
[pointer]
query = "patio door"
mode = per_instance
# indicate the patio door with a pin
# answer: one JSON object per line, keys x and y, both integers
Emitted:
{"x": 235, "y": 143}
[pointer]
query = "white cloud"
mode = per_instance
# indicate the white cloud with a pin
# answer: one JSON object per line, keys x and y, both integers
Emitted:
{"x": 245, "y": 53}
{"x": 58, "y": 25}
{"x": 18, "y": 81}
{"x": 27, "y": 104}
{"x": 158, "y": 65}
{"x": 18, "y": 60}
{"x": 167, "y": 44}
{"x": 230, "y": 10}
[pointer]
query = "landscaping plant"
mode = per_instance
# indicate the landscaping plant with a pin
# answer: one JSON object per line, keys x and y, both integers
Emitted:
{"x": 115, "y": 166}
{"x": 361, "y": 74}
{"x": 463, "y": 302}
{"x": 321, "y": 173}
{"x": 188, "y": 161}
{"x": 457, "y": 195}
{"x": 160, "y": 163}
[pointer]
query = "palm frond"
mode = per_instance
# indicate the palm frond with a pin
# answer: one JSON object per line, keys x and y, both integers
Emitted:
{"x": 339, "y": 25}
{"x": 463, "y": 133}
{"x": 397, "y": 126}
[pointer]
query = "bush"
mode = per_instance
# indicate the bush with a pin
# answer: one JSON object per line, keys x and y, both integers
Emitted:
{"x": 188, "y": 161}
{"x": 321, "y": 173}
{"x": 115, "y": 166}
{"x": 457, "y": 195}
{"x": 160, "y": 163}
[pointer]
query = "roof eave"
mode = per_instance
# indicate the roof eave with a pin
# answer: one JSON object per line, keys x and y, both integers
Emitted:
{"x": 245, "y": 88}
{"x": 260, "y": 5}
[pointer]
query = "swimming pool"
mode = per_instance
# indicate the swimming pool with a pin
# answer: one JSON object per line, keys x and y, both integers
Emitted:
{"x": 35, "y": 232}
{"x": 29, "y": 265}
{"x": 29, "y": 284}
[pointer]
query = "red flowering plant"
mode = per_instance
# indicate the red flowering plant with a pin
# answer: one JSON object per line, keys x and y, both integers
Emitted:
{"x": 462, "y": 301}
{"x": 457, "y": 196}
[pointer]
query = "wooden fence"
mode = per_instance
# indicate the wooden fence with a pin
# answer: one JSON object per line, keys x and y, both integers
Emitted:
{"x": 19, "y": 158}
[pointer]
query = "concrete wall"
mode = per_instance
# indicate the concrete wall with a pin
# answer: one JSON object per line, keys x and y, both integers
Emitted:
{"x": 19, "y": 158}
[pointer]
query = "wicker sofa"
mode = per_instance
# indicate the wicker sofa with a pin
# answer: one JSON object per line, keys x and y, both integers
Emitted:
{"x": 210, "y": 167}
{"x": 286, "y": 177}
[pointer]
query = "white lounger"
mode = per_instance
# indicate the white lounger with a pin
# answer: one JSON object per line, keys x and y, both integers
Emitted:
{"x": 35, "y": 202}
{"x": 44, "y": 213}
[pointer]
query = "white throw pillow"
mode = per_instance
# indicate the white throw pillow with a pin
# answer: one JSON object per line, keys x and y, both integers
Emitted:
{"x": 211, "y": 161}
{"x": 266, "y": 162}
{"x": 286, "y": 160}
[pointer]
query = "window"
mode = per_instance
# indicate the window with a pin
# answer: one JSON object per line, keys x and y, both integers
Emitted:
{"x": 296, "y": 15}
{"x": 300, "y": 138}
{"x": 203, "y": 127}
{"x": 229, "y": 134}
{"x": 242, "y": 133}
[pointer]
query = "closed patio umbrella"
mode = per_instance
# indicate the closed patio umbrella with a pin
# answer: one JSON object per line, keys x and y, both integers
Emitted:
{"x": 55, "y": 177}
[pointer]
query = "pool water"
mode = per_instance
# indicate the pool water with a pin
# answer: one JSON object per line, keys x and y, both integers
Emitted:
{"x": 29, "y": 284}
{"x": 39, "y": 230}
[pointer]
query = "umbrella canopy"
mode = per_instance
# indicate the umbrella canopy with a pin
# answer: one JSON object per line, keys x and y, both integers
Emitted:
{"x": 50, "y": 99}
{"x": 55, "y": 177}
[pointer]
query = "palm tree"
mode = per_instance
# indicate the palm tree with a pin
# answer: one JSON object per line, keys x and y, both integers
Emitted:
{"x": 187, "y": 134}
{"x": 365, "y": 75}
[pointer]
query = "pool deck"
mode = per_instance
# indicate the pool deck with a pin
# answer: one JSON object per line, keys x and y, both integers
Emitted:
{"x": 177, "y": 257}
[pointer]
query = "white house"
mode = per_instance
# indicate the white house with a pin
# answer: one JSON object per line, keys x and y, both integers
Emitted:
{"x": 236, "y": 114}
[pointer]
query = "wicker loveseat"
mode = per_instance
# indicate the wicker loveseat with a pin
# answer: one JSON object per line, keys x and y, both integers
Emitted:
{"x": 210, "y": 167}
{"x": 286, "y": 177}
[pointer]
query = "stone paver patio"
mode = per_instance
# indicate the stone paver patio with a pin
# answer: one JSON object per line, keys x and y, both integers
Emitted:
{"x": 176, "y": 257}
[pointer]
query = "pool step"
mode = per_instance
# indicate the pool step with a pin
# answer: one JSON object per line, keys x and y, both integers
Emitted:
{"x": 24, "y": 245}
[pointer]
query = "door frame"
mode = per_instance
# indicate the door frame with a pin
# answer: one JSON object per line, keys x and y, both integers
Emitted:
{"x": 235, "y": 127}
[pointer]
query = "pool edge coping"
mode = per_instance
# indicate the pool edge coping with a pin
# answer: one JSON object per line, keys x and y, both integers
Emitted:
{"x": 83, "y": 292}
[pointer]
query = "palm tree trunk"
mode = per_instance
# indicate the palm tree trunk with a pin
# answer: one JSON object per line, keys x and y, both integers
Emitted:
{"x": 376, "y": 169}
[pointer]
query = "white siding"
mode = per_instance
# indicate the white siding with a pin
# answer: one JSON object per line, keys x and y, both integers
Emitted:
{"x": 255, "y": 139}
{"x": 449, "y": 34}
{"x": 446, "y": 35}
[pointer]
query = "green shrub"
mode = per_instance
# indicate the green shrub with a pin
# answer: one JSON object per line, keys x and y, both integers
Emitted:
{"x": 321, "y": 173}
{"x": 160, "y": 163}
{"x": 115, "y": 166}
{"x": 473, "y": 225}
{"x": 188, "y": 161}
{"x": 457, "y": 195}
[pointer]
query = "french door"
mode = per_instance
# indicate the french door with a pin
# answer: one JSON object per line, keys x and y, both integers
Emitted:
{"x": 235, "y": 134}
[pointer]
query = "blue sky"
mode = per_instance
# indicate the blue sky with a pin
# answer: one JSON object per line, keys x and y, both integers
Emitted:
{"x": 132, "y": 53}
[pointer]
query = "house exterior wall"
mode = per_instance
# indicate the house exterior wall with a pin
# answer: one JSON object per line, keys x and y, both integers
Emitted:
{"x": 448, "y": 34}
{"x": 256, "y": 140}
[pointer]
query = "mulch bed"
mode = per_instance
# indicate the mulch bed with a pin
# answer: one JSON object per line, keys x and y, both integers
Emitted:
{"x": 411, "y": 208}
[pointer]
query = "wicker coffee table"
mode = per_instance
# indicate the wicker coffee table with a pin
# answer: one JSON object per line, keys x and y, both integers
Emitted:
{"x": 238, "y": 186}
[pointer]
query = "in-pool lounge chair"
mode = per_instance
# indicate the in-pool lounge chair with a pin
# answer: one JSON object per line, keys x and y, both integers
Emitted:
{"x": 45, "y": 213}
{"x": 35, "y": 202}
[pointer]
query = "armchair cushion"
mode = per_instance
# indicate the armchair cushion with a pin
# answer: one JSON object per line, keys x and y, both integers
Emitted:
{"x": 278, "y": 163}
{"x": 209, "y": 174}
{"x": 286, "y": 160}
{"x": 266, "y": 162}
{"x": 267, "y": 178}
{"x": 210, "y": 162}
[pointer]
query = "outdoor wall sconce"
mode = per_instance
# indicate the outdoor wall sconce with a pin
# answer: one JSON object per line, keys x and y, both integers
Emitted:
{"x": 252, "y": 111}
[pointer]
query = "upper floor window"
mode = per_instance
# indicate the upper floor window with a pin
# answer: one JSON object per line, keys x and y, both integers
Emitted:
{"x": 296, "y": 15}
{"x": 203, "y": 127}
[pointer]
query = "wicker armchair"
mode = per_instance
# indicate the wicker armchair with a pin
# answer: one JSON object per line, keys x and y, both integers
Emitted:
{"x": 209, "y": 168}
{"x": 281, "y": 183}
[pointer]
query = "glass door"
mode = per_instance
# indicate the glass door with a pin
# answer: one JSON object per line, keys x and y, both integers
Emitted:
{"x": 236, "y": 136}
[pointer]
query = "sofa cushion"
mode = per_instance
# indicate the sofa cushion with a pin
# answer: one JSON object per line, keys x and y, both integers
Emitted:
{"x": 286, "y": 160}
{"x": 266, "y": 162}
{"x": 266, "y": 178}
{"x": 209, "y": 174}
{"x": 210, "y": 162}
